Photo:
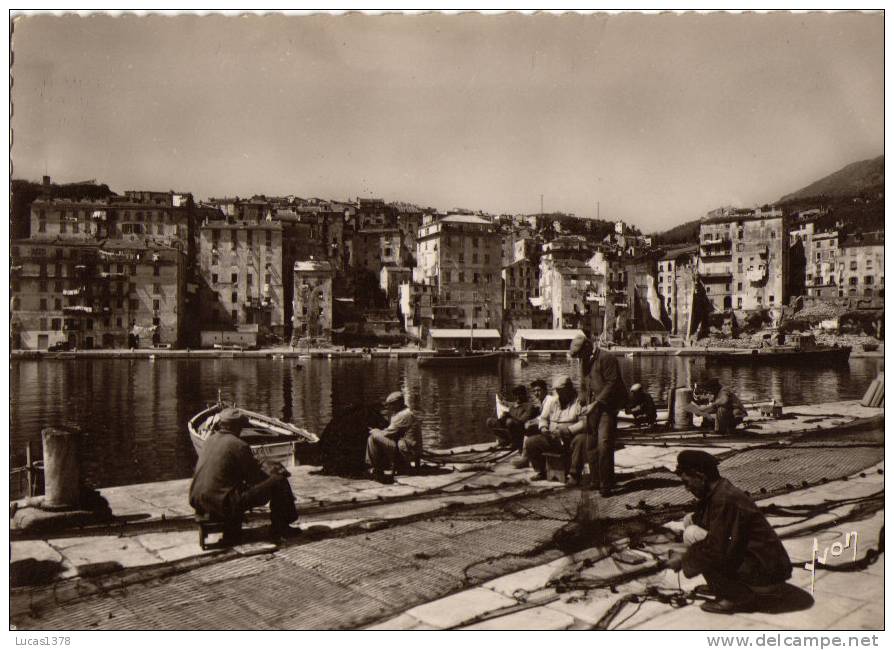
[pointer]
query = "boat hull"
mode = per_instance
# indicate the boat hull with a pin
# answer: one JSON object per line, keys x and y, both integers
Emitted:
{"x": 284, "y": 442}
{"x": 813, "y": 357}
{"x": 487, "y": 360}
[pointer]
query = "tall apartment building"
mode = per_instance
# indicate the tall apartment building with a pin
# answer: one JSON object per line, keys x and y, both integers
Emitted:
{"x": 460, "y": 256}
{"x": 89, "y": 295}
{"x": 862, "y": 262}
{"x": 743, "y": 258}
{"x": 312, "y": 300}
{"x": 242, "y": 276}
{"x": 822, "y": 272}
{"x": 676, "y": 285}
{"x": 568, "y": 286}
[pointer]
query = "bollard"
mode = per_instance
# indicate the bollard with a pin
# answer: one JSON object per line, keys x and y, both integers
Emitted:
{"x": 62, "y": 476}
{"x": 682, "y": 417}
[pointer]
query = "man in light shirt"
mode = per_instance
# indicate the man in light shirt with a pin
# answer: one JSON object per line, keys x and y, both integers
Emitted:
{"x": 397, "y": 446}
{"x": 562, "y": 422}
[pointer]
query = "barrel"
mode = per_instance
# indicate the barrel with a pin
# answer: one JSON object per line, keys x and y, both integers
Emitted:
{"x": 682, "y": 417}
{"x": 62, "y": 473}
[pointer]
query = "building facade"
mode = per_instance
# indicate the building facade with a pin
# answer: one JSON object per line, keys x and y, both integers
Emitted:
{"x": 862, "y": 265}
{"x": 460, "y": 256}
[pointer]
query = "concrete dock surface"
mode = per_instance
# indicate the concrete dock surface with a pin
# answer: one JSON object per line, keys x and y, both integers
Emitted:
{"x": 371, "y": 553}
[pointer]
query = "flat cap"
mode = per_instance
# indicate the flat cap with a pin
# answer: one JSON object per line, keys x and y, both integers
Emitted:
{"x": 231, "y": 417}
{"x": 699, "y": 461}
{"x": 561, "y": 381}
{"x": 636, "y": 387}
{"x": 395, "y": 397}
{"x": 578, "y": 343}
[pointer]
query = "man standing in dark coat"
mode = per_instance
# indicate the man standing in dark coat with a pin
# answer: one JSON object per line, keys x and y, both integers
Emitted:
{"x": 730, "y": 542}
{"x": 229, "y": 480}
{"x": 603, "y": 390}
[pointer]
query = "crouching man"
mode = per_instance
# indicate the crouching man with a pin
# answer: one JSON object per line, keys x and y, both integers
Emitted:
{"x": 729, "y": 541}
{"x": 229, "y": 481}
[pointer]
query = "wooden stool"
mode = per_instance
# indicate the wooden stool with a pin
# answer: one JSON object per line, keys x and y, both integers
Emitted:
{"x": 209, "y": 526}
{"x": 555, "y": 467}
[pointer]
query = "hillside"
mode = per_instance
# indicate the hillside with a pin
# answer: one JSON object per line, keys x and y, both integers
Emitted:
{"x": 685, "y": 233}
{"x": 862, "y": 178}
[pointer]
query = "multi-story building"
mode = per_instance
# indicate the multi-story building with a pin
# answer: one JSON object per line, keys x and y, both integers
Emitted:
{"x": 242, "y": 276}
{"x": 520, "y": 284}
{"x": 312, "y": 300}
{"x": 822, "y": 272}
{"x": 91, "y": 295}
{"x": 676, "y": 285}
{"x": 862, "y": 263}
{"x": 460, "y": 256}
{"x": 743, "y": 258}
{"x": 569, "y": 287}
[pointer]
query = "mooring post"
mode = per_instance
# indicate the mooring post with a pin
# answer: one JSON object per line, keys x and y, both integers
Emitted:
{"x": 681, "y": 417}
{"x": 62, "y": 473}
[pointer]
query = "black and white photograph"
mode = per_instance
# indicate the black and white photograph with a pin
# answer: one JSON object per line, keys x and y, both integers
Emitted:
{"x": 408, "y": 320}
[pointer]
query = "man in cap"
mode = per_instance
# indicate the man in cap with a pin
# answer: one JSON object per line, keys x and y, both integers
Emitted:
{"x": 562, "y": 423}
{"x": 724, "y": 412}
{"x": 229, "y": 480}
{"x": 399, "y": 444}
{"x": 604, "y": 392}
{"x": 509, "y": 428}
{"x": 729, "y": 540}
{"x": 641, "y": 407}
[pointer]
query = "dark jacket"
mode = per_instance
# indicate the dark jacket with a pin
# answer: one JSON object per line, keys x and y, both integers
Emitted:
{"x": 226, "y": 467}
{"x": 520, "y": 413}
{"x": 601, "y": 381}
{"x": 641, "y": 404}
{"x": 741, "y": 543}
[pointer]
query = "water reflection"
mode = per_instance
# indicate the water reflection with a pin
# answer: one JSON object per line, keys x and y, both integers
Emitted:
{"x": 134, "y": 412}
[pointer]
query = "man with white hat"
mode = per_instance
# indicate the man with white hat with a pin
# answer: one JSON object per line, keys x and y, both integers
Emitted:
{"x": 398, "y": 445}
{"x": 229, "y": 481}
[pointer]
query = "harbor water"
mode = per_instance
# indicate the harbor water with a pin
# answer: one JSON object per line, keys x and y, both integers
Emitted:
{"x": 133, "y": 412}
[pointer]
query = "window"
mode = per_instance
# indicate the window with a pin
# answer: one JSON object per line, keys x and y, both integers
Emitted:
{"x": 156, "y": 288}
{"x": 89, "y": 323}
{"x": 867, "y": 279}
{"x": 156, "y": 271}
{"x": 739, "y": 286}
{"x": 156, "y": 305}
{"x": 43, "y": 304}
{"x": 739, "y": 302}
{"x": 234, "y": 297}
{"x": 156, "y": 320}
{"x": 853, "y": 265}
{"x": 772, "y": 299}
{"x": 740, "y": 248}
{"x": 42, "y": 324}
{"x": 56, "y": 324}
{"x": 462, "y": 258}
{"x": 118, "y": 322}
{"x": 853, "y": 282}
{"x": 233, "y": 315}
{"x": 133, "y": 304}
{"x": 868, "y": 264}
{"x": 42, "y": 286}
{"x": 234, "y": 278}
{"x": 57, "y": 304}
{"x": 214, "y": 278}
{"x": 462, "y": 276}
{"x": 475, "y": 278}
{"x": 446, "y": 276}
{"x": 266, "y": 278}
{"x": 42, "y": 226}
{"x": 387, "y": 251}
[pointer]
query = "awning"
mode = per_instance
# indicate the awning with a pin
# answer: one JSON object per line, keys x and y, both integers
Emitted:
{"x": 547, "y": 335}
{"x": 464, "y": 333}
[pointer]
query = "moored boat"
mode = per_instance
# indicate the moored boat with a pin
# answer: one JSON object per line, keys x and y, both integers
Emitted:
{"x": 459, "y": 358}
{"x": 791, "y": 349}
{"x": 269, "y": 438}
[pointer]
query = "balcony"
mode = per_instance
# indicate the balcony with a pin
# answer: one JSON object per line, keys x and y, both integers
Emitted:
{"x": 716, "y": 276}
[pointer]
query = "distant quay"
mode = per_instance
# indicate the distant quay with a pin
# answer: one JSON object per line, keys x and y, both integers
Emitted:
{"x": 380, "y": 353}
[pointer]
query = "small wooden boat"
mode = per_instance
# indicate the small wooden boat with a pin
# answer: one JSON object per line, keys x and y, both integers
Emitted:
{"x": 459, "y": 358}
{"x": 269, "y": 438}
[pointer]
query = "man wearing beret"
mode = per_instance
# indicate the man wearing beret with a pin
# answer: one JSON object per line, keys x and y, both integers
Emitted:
{"x": 729, "y": 540}
{"x": 229, "y": 480}
{"x": 604, "y": 392}
{"x": 400, "y": 444}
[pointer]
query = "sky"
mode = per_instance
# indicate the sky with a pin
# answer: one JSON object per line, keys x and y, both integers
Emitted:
{"x": 655, "y": 118}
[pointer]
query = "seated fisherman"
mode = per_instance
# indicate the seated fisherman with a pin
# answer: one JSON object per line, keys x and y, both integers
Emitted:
{"x": 562, "y": 422}
{"x": 509, "y": 428}
{"x": 725, "y": 406}
{"x": 539, "y": 393}
{"x": 729, "y": 540}
{"x": 641, "y": 407}
{"x": 229, "y": 480}
{"x": 399, "y": 444}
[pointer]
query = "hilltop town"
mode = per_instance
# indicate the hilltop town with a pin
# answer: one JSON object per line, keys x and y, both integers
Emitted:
{"x": 95, "y": 269}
